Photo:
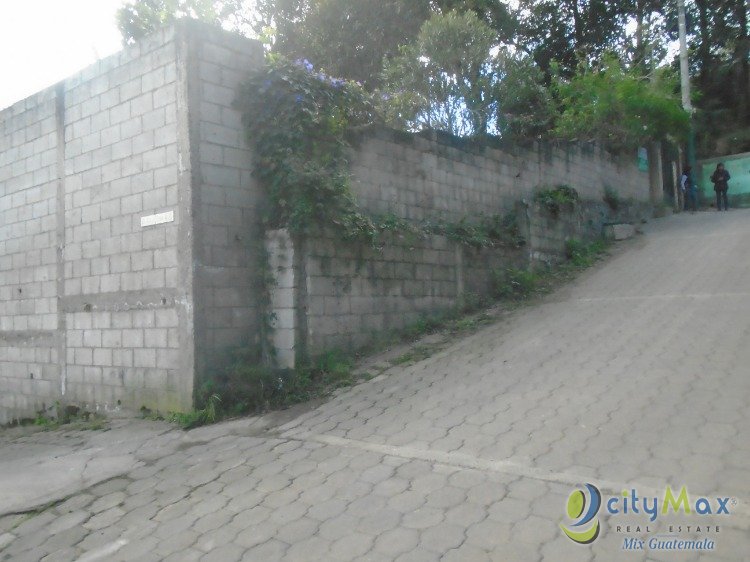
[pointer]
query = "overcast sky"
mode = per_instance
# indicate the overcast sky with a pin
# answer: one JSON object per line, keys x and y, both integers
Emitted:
{"x": 44, "y": 41}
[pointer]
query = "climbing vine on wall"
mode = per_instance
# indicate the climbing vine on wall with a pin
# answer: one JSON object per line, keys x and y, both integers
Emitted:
{"x": 298, "y": 120}
{"x": 556, "y": 199}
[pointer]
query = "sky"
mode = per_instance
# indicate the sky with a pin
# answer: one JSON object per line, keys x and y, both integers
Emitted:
{"x": 44, "y": 41}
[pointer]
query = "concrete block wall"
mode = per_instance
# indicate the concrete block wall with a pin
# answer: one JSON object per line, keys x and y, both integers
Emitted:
{"x": 351, "y": 292}
{"x": 421, "y": 176}
{"x": 131, "y": 242}
{"x": 29, "y": 342}
{"x": 121, "y": 280}
{"x": 330, "y": 294}
{"x": 226, "y": 196}
{"x": 128, "y": 219}
{"x": 418, "y": 177}
{"x": 548, "y": 234}
{"x": 284, "y": 293}
{"x": 89, "y": 158}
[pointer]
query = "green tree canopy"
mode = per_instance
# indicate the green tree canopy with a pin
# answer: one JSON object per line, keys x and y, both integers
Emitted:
{"x": 444, "y": 79}
{"x": 367, "y": 41}
{"x": 348, "y": 38}
{"x": 525, "y": 107}
{"x": 720, "y": 42}
{"x": 618, "y": 107}
{"x": 568, "y": 31}
{"x": 455, "y": 78}
{"x": 141, "y": 18}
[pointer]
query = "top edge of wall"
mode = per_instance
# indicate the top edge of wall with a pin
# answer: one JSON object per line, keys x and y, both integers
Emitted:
{"x": 476, "y": 145}
{"x": 726, "y": 158}
{"x": 206, "y": 31}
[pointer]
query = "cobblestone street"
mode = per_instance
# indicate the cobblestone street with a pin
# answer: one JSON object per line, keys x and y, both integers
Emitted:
{"x": 634, "y": 377}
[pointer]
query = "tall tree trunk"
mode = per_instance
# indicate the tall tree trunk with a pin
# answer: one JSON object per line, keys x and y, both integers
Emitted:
{"x": 639, "y": 57}
{"x": 704, "y": 49}
{"x": 577, "y": 25}
{"x": 741, "y": 62}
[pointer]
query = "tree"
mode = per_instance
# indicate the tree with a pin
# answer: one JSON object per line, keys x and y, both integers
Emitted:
{"x": 494, "y": 13}
{"x": 358, "y": 39}
{"x": 620, "y": 108}
{"x": 348, "y": 38}
{"x": 143, "y": 17}
{"x": 645, "y": 46}
{"x": 455, "y": 78}
{"x": 721, "y": 73}
{"x": 569, "y": 31}
{"x": 525, "y": 108}
{"x": 444, "y": 79}
{"x": 351, "y": 38}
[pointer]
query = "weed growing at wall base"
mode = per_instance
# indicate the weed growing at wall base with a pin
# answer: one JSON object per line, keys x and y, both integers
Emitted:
{"x": 72, "y": 417}
{"x": 206, "y": 415}
{"x": 514, "y": 283}
{"x": 248, "y": 386}
{"x": 521, "y": 284}
{"x": 582, "y": 254}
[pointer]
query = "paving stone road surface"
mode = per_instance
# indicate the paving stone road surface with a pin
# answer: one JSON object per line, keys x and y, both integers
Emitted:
{"x": 635, "y": 377}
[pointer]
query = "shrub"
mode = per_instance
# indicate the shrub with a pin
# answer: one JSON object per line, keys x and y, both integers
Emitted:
{"x": 513, "y": 283}
{"x": 556, "y": 199}
{"x": 297, "y": 119}
{"x": 620, "y": 106}
{"x": 247, "y": 386}
{"x": 611, "y": 198}
{"x": 487, "y": 231}
{"x": 582, "y": 254}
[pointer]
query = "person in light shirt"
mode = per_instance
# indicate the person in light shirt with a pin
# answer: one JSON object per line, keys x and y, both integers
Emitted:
{"x": 688, "y": 189}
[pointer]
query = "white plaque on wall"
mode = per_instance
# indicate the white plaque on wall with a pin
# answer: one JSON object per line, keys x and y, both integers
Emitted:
{"x": 160, "y": 218}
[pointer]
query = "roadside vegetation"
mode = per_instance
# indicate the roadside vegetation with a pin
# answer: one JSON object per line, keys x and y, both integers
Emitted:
{"x": 246, "y": 387}
{"x": 483, "y": 70}
{"x": 67, "y": 417}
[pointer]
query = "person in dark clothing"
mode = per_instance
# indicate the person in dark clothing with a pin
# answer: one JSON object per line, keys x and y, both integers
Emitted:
{"x": 689, "y": 190}
{"x": 720, "y": 179}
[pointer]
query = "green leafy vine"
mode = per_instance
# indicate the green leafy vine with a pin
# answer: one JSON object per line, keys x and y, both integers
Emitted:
{"x": 556, "y": 199}
{"x": 298, "y": 121}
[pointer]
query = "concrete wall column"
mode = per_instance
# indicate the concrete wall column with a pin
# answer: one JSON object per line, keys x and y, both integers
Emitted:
{"x": 282, "y": 309}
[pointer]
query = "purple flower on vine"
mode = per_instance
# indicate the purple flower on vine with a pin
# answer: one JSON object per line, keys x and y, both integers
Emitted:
{"x": 304, "y": 63}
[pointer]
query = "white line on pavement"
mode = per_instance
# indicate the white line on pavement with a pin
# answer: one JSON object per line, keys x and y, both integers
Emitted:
{"x": 462, "y": 460}
{"x": 104, "y": 552}
{"x": 668, "y": 296}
